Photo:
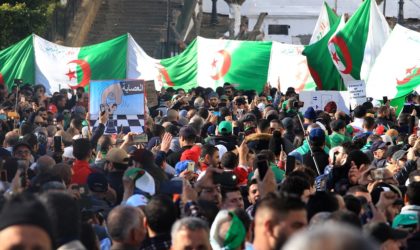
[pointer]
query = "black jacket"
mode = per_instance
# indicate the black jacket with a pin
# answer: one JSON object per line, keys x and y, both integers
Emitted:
{"x": 321, "y": 159}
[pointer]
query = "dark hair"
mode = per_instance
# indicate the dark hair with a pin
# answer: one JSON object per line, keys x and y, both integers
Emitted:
{"x": 225, "y": 190}
{"x": 39, "y": 86}
{"x": 208, "y": 149}
{"x": 267, "y": 154}
{"x": 157, "y": 130}
{"x": 276, "y": 141}
{"x": 352, "y": 204}
{"x": 172, "y": 129}
{"x": 368, "y": 122}
{"x": 81, "y": 148}
{"x": 413, "y": 193}
{"x": 359, "y": 112}
{"x": 307, "y": 173}
{"x": 346, "y": 217}
{"x": 263, "y": 124}
{"x": 229, "y": 160}
{"x": 321, "y": 202}
{"x": 281, "y": 204}
{"x": 203, "y": 113}
{"x": 26, "y": 128}
{"x": 88, "y": 236}
{"x": 295, "y": 185}
{"x": 357, "y": 188}
{"x": 358, "y": 157}
{"x": 65, "y": 215}
{"x": 76, "y": 122}
{"x": 244, "y": 217}
{"x": 105, "y": 141}
{"x": 161, "y": 213}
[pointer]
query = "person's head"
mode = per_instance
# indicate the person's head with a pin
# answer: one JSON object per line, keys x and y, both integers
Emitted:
{"x": 379, "y": 149}
{"x": 82, "y": 149}
{"x": 383, "y": 111}
{"x": 277, "y": 218}
{"x": 331, "y": 236}
{"x": 126, "y": 226}
{"x": 65, "y": 216}
{"x": 209, "y": 155}
{"x": 39, "y": 91}
{"x": 253, "y": 192}
{"x": 11, "y": 139}
{"x": 97, "y": 183}
{"x": 64, "y": 171}
{"x": 231, "y": 198}
{"x": 359, "y": 112}
{"x": 187, "y": 136}
{"x": 368, "y": 123}
{"x": 190, "y": 233}
{"x": 321, "y": 202}
{"x": 359, "y": 191}
{"x": 160, "y": 214}
{"x": 317, "y": 137}
{"x": 338, "y": 126}
{"x": 213, "y": 100}
{"x": 413, "y": 193}
{"x": 263, "y": 126}
{"x": 229, "y": 160}
{"x": 361, "y": 163}
{"x": 309, "y": 115}
{"x": 388, "y": 237}
{"x": 338, "y": 155}
{"x": 22, "y": 151}
{"x": 44, "y": 164}
{"x": 25, "y": 224}
{"x": 298, "y": 186}
{"x": 117, "y": 159}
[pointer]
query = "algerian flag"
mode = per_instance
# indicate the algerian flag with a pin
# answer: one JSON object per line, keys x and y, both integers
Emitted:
{"x": 288, "y": 65}
{"x": 396, "y": 72}
{"x": 321, "y": 66}
{"x": 17, "y": 62}
{"x": 327, "y": 18}
{"x": 39, "y": 61}
{"x": 63, "y": 67}
{"x": 355, "y": 47}
{"x": 212, "y": 62}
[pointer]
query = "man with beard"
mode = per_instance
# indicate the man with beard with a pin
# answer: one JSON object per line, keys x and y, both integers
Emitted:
{"x": 277, "y": 218}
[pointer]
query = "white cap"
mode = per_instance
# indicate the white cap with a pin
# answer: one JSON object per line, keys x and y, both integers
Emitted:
{"x": 137, "y": 200}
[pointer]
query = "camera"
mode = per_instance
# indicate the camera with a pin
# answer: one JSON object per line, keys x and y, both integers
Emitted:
{"x": 298, "y": 104}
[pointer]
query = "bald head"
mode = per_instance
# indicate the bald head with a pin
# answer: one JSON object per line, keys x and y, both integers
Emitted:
{"x": 125, "y": 226}
{"x": 11, "y": 138}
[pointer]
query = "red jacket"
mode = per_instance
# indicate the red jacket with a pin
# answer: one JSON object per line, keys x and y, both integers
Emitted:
{"x": 80, "y": 170}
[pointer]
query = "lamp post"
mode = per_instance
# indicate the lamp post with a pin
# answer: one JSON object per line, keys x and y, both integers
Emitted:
{"x": 213, "y": 19}
{"x": 168, "y": 32}
{"x": 400, "y": 19}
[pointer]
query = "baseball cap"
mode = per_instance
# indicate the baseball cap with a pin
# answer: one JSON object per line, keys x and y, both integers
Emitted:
{"x": 192, "y": 154}
{"x": 310, "y": 114}
{"x": 224, "y": 97}
{"x": 378, "y": 145}
{"x": 213, "y": 94}
{"x": 137, "y": 200}
{"x": 97, "y": 182}
{"x": 381, "y": 232}
{"x": 142, "y": 156}
{"x": 52, "y": 108}
{"x": 21, "y": 144}
{"x": 225, "y": 127}
{"x": 317, "y": 134}
{"x": 117, "y": 155}
{"x": 143, "y": 180}
{"x": 330, "y": 107}
{"x": 405, "y": 220}
{"x": 399, "y": 155}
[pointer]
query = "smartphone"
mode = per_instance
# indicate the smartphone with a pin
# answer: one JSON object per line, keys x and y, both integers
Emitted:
{"x": 385, "y": 99}
{"x": 102, "y": 109}
{"x": 377, "y": 174}
{"x": 22, "y": 99}
{"x": 241, "y": 136}
{"x": 3, "y": 175}
{"x": 142, "y": 138}
{"x": 3, "y": 117}
{"x": 57, "y": 144}
{"x": 262, "y": 167}
{"x": 290, "y": 164}
{"x": 22, "y": 165}
{"x": 216, "y": 113}
{"x": 191, "y": 166}
{"x": 227, "y": 179}
{"x": 121, "y": 129}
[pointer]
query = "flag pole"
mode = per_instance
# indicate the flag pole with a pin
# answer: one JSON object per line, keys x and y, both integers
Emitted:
{"x": 310, "y": 146}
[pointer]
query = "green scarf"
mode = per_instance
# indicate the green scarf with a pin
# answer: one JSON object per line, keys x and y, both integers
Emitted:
{"x": 235, "y": 236}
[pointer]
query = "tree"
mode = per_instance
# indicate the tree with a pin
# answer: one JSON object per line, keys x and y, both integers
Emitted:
{"x": 18, "y": 20}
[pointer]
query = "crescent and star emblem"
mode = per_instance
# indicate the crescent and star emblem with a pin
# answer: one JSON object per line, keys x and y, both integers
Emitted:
{"x": 85, "y": 67}
{"x": 346, "y": 66}
{"x": 220, "y": 64}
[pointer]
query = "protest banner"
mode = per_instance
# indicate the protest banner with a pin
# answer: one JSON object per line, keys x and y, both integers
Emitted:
{"x": 318, "y": 100}
{"x": 124, "y": 102}
{"x": 357, "y": 92}
{"x": 151, "y": 95}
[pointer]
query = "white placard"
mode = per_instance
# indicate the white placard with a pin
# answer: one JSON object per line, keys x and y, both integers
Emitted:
{"x": 318, "y": 100}
{"x": 357, "y": 92}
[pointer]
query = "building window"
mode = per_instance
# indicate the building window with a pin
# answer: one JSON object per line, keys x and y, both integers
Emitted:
{"x": 278, "y": 29}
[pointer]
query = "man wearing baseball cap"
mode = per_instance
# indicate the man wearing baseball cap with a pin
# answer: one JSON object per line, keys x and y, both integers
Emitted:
{"x": 379, "y": 149}
{"x": 387, "y": 237}
{"x": 116, "y": 162}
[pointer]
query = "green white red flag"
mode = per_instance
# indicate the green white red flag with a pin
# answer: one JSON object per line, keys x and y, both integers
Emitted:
{"x": 327, "y": 18}
{"x": 355, "y": 46}
{"x": 396, "y": 72}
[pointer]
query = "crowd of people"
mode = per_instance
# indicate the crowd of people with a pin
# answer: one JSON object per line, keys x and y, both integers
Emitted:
{"x": 222, "y": 169}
